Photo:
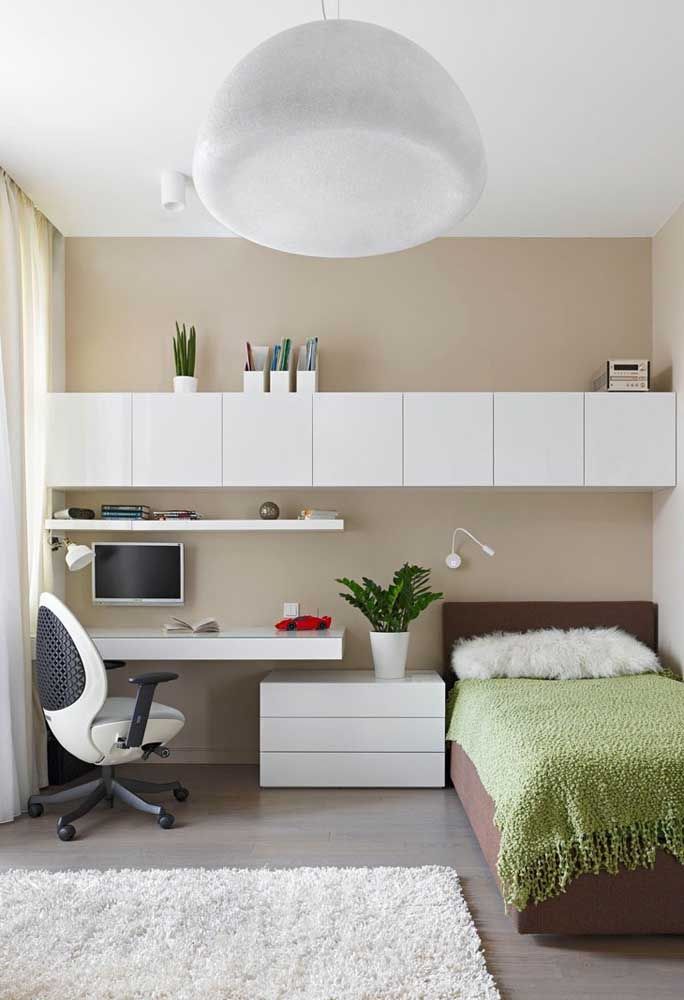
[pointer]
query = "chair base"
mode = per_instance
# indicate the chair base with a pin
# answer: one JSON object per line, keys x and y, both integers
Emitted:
{"x": 107, "y": 788}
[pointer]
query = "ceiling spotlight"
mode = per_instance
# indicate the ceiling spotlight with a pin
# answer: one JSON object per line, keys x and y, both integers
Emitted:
{"x": 339, "y": 138}
{"x": 453, "y": 560}
{"x": 173, "y": 190}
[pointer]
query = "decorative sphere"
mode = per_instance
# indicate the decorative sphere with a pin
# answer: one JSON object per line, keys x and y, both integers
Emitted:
{"x": 339, "y": 138}
{"x": 269, "y": 511}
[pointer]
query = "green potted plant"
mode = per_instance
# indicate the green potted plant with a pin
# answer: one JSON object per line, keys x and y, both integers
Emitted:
{"x": 184, "y": 348}
{"x": 390, "y": 611}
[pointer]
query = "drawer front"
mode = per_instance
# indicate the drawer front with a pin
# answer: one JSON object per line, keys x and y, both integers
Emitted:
{"x": 328, "y": 735}
{"x": 332, "y": 700}
{"x": 352, "y": 770}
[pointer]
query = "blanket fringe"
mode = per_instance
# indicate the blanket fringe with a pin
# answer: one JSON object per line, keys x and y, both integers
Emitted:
{"x": 631, "y": 847}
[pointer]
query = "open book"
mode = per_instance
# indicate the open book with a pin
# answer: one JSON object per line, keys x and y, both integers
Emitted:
{"x": 178, "y": 625}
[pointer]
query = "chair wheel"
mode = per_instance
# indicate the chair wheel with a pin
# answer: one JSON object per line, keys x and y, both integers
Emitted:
{"x": 67, "y": 832}
{"x": 166, "y": 820}
{"x": 36, "y": 809}
{"x": 180, "y": 794}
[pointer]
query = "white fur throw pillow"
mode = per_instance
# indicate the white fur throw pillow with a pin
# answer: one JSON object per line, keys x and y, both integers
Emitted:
{"x": 553, "y": 654}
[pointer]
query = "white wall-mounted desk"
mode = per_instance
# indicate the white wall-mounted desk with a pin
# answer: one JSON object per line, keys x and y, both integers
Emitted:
{"x": 231, "y": 644}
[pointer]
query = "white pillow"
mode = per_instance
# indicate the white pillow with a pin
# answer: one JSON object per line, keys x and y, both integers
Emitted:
{"x": 554, "y": 654}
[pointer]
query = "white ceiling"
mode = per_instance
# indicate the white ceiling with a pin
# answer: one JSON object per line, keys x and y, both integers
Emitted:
{"x": 580, "y": 103}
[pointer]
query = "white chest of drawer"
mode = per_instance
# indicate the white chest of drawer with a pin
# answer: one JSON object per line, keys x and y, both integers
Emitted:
{"x": 345, "y": 728}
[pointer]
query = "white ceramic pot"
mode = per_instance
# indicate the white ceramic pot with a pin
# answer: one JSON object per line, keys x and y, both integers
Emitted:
{"x": 184, "y": 383}
{"x": 390, "y": 650}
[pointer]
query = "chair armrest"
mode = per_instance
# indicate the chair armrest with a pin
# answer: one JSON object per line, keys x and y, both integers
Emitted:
{"x": 114, "y": 664}
{"x": 143, "y": 703}
{"x": 154, "y": 678}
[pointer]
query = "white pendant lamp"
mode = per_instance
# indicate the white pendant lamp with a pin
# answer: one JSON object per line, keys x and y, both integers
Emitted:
{"x": 339, "y": 139}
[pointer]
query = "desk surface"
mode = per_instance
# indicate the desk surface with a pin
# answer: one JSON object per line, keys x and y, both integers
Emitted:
{"x": 244, "y": 643}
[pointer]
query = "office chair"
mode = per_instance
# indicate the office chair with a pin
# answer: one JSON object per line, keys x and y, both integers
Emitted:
{"x": 72, "y": 683}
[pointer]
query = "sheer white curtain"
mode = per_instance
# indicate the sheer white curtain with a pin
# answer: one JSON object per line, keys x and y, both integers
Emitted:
{"x": 26, "y": 256}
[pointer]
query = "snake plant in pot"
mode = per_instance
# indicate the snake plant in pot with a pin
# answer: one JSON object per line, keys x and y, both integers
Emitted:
{"x": 184, "y": 348}
{"x": 390, "y": 610}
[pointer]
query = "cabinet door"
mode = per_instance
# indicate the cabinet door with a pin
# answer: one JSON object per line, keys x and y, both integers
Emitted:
{"x": 538, "y": 439}
{"x": 357, "y": 439}
{"x": 630, "y": 439}
{"x": 88, "y": 439}
{"x": 448, "y": 438}
{"x": 176, "y": 439}
{"x": 266, "y": 439}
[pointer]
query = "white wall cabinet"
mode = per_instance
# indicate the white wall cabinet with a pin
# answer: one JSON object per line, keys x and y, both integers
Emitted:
{"x": 176, "y": 439}
{"x": 88, "y": 439}
{"x": 630, "y": 439}
{"x": 448, "y": 438}
{"x": 538, "y": 439}
{"x": 460, "y": 439}
{"x": 266, "y": 439}
{"x": 357, "y": 439}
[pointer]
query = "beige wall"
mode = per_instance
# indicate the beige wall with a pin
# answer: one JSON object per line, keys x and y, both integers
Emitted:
{"x": 456, "y": 314}
{"x": 668, "y": 506}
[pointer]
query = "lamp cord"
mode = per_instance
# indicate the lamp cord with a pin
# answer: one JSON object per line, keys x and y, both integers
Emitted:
{"x": 325, "y": 16}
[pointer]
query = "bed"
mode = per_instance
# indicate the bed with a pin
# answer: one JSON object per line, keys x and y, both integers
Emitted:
{"x": 642, "y": 901}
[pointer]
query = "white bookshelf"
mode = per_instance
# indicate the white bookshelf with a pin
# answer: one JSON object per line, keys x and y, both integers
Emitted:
{"x": 69, "y": 527}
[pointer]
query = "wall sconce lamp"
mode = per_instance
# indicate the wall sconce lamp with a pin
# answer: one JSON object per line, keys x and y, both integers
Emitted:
{"x": 76, "y": 556}
{"x": 453, "y": 560}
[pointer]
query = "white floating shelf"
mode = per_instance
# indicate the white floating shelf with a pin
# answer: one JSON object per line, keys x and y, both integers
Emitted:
{"x": 227, "y": 524}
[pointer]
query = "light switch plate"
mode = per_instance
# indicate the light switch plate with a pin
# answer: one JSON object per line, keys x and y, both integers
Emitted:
{"x": 290, "y": 609}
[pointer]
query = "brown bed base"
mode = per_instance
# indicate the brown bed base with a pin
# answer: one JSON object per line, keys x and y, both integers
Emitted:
{"x": 645, "y": 901}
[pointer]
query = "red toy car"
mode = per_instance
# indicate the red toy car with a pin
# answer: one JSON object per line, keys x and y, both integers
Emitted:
{"x": 304, "y": 623}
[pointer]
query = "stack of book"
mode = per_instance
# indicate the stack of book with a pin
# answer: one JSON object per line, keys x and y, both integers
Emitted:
{"x": 309, "y": 514}
{"x": 125, "y": 512}
{"x": 176, "y": 515}
{"x": 281, "y": 355}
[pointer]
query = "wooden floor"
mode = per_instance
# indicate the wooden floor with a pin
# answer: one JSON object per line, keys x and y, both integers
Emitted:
{"x": 229, "y": 821}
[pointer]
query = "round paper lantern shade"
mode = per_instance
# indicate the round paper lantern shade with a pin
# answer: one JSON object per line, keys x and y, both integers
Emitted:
{"x": 339, "y": 139}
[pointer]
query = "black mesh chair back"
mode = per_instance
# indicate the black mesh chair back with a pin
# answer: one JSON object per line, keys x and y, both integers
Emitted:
{"x": 60, "y": 673}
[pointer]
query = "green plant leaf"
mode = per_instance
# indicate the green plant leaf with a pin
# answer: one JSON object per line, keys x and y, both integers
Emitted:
{"x": 191, "y": 351}
{"x": 391, "y": 609}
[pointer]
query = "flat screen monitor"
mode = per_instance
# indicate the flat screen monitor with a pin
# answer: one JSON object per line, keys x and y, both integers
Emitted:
{"x": 138, "y": 573}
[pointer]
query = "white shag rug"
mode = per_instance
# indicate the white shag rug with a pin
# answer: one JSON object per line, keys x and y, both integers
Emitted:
{"x": 239, "y": 934}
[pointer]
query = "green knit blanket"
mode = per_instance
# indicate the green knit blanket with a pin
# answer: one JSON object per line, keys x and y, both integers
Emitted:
{"x": 585, "y": 775}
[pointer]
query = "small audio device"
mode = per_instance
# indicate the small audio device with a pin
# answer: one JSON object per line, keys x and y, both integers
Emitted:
{"x": 74, "y": 514}
{"x": 623, "y": 375}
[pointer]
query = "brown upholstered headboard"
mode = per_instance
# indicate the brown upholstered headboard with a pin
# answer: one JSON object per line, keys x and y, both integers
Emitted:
{"x": 464, "y": 619}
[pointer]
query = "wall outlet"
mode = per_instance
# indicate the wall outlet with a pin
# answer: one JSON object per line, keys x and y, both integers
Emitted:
{"x": 291, "y": 609}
